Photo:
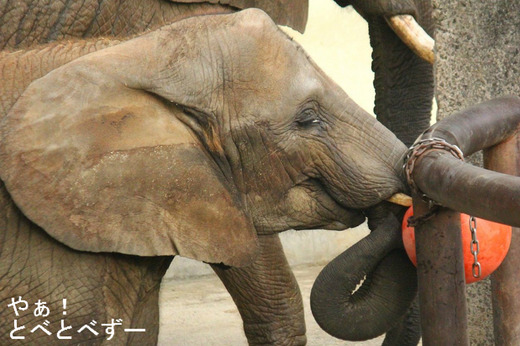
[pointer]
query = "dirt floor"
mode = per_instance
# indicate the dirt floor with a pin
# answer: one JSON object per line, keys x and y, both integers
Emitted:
{"x": 199, "y": 311}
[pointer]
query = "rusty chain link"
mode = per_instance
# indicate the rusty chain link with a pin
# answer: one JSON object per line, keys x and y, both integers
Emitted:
{"x": 418, "y": 149}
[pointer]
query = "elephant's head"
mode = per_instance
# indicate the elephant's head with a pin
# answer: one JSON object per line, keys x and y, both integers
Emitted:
{"x": 192, "y": 140}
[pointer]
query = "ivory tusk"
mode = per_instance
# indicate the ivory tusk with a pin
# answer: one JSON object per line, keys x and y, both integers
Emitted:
{"x": 413, "y": 35}
{"x": 401, "y": 199}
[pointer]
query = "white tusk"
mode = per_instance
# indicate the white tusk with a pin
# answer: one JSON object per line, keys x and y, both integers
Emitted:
{"x": 413, "y": 35}
{"x": 401, "y": 199}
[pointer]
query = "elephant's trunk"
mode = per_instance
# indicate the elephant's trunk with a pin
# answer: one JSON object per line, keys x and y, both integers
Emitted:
{"x": 351, "y": 313}
{"x": 361, "y": 173}
{"x": 403, "y": 81}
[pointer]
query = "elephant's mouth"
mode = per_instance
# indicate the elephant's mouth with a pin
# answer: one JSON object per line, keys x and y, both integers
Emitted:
{"x": 378, "y": 209}
{"x": 348, "y": 208}
{"x": 336, "y": 215}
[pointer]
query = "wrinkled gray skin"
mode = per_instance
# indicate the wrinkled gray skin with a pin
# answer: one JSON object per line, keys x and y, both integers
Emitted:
{"x": 26, "y": 23}
{"x": 270, "y": 142}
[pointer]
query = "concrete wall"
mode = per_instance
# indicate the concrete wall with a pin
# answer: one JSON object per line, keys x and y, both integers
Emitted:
{"x": 337, "y": 39}
{"x": 478, "y": 58}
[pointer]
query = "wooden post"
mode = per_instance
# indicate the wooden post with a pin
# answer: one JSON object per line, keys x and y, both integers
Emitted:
{"x": 505, "y": 282}
{"x": 440, "y": 274}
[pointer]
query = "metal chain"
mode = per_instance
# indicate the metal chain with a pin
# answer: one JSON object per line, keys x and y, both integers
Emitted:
{"x": 418, "y": 149}
{"x": 474, "y": 247}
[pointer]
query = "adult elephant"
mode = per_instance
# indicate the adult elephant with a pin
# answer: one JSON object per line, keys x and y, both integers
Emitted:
{"x": 404, "y": 94}
{"x": 192, "y": 140}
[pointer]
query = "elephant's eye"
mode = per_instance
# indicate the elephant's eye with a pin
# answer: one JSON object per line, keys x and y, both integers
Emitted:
{"x": 308, "y": 118}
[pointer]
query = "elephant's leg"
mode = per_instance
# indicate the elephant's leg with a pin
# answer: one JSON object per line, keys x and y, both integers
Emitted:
{"x": 267, "y": 296}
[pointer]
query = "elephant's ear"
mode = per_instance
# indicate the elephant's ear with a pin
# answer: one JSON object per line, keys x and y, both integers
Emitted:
{"x": 104, "y": 166}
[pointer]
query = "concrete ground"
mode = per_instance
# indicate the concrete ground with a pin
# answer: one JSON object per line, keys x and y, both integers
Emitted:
{"x": 199, "y": 311}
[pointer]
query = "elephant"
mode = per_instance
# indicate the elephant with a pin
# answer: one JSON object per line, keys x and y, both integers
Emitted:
{"x": 204, "y": 138}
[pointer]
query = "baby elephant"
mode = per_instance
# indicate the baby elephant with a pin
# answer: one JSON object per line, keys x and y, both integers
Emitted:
{"x": 202, "y": 139}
